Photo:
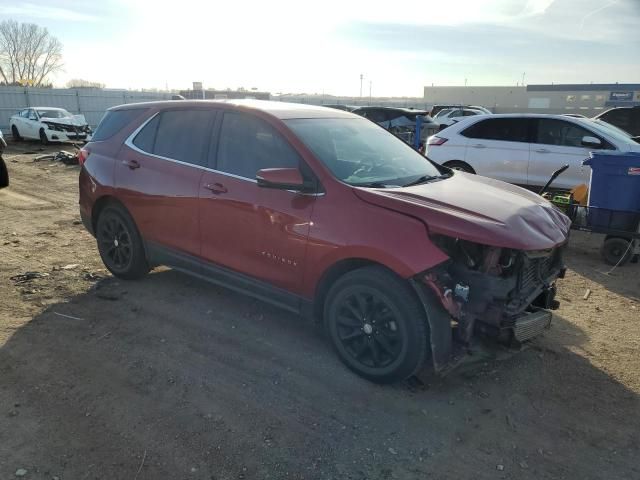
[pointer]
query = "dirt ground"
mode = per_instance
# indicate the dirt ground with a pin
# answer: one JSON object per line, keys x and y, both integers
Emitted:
{"x": 171, "y": 377}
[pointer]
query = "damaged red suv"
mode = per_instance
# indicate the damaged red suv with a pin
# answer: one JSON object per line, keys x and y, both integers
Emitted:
{"x": 326, "y": 214}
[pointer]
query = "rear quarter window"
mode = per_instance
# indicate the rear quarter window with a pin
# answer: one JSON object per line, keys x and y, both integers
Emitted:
{"x": 114, "y": 121}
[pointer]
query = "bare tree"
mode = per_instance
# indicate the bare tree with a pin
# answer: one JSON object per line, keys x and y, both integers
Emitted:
{"x": 28, "y": 54}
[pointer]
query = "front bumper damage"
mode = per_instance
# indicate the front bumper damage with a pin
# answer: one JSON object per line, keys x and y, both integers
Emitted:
{"x": 488, "y": 291}
{"x": 60, "y": 132}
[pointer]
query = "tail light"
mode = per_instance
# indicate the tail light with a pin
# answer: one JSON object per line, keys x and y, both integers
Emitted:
{"x": 436, "y": 140}
{"x": 83, "y": 154}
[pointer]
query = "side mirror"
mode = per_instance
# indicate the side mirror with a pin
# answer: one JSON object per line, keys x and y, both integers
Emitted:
{"x": 281, "y": 179}
{"x": 591, "y": 142}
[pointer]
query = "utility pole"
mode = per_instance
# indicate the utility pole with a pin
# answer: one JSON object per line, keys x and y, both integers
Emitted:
{"x": 361, "y": 77}
{"x": 523, "y": 73}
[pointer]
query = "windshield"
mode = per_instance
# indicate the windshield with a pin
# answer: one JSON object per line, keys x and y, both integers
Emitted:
{"x": 608, "y": 129}
{"x": 612, "y": 128}
{"x": 51, "y": 113}
{"x": 442, "y": 113}
{"x": 360, "y": 153}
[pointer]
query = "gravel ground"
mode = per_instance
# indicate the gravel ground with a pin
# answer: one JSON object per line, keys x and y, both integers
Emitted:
{"x": 171, "y": 377}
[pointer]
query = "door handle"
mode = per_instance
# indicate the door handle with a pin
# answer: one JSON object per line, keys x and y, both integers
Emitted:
{"x": 479, "y": 145}
{"x": 132, "y": 164}
{"x": 216, "y": 188}
{"x": 541, "y": 150}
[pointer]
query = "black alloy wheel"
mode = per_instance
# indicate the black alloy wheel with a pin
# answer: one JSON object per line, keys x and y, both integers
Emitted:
{"x": 377, "y": 325}
{"x": 368, "y": 329}
{"x": 120, "y": 244}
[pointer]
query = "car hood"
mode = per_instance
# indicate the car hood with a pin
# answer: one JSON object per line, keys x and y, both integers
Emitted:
{"x": 75, "y": 120}
{"x": 477, "y": 209}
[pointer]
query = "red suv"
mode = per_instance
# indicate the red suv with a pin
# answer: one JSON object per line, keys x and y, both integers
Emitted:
{"x": 328, "y": 215}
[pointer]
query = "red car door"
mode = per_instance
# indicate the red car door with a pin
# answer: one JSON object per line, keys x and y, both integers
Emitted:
{"x": 252, "y": 230}
{"x": 158, "y": 175}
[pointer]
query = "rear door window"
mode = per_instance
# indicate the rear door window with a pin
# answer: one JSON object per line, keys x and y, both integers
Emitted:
{"x": 183, "y": 135}
{"x": 113, "y": 121}
{"x": 247, "y": 144}
{"x": 505, "y": 129}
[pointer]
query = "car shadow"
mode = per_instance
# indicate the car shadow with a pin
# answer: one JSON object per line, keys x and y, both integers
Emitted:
{"x": 171, "y": 377}
{"x": 583, "y": 257}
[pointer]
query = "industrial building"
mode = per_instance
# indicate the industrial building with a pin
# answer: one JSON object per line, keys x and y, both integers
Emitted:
{"x": 584, "y": 99}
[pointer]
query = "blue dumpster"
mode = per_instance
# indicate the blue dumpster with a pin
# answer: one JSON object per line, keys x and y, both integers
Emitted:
{"x": 614, "y": 190}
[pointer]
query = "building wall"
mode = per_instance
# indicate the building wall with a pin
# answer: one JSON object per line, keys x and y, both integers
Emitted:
{"x": 585, "y": 99}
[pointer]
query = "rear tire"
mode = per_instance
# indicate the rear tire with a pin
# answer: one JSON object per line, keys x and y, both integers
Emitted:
{"x": 15, "y": 134}
{"x": 616, "y": 251}
{"x": 119, "y": 243}
{"x": 43, "y": 137}
{"x": 376, "y": 324}
{"x": 460, "y": 166}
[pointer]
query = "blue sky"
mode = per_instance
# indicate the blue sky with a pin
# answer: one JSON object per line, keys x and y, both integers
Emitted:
{"x": 316, "y": 46}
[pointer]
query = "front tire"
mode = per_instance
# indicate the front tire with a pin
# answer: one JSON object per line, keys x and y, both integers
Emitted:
{"x": 377, "y": 325}
{"x": 119, "y": 243}
{"x": 43, "y": 137}
{"x": 15, "y": 134}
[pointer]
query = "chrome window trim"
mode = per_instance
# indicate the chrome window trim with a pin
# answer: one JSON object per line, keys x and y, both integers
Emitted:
{"x": 129, "y": 143}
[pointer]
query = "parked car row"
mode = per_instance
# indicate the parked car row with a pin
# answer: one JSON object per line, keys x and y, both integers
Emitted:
{"x": 524, "y": 149}
{"x": 49, "y": 124}
{"x": 402, "y": 122}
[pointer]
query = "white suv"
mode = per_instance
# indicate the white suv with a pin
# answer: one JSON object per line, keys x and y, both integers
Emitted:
{"x": 526, "y": 149}
{"x": 449, "y": 116}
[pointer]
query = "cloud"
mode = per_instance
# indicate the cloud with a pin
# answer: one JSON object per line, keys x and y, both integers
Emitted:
{"x": 31, "y": 10}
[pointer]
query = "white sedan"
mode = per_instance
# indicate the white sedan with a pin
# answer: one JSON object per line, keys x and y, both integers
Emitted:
{"x": 49, "y": 124}
{"x": 526, "y": 149}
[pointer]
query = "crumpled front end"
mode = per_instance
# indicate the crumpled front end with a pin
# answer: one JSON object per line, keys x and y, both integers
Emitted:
{"x": 500, "y": 292}
{"x": 67, "y": 132}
